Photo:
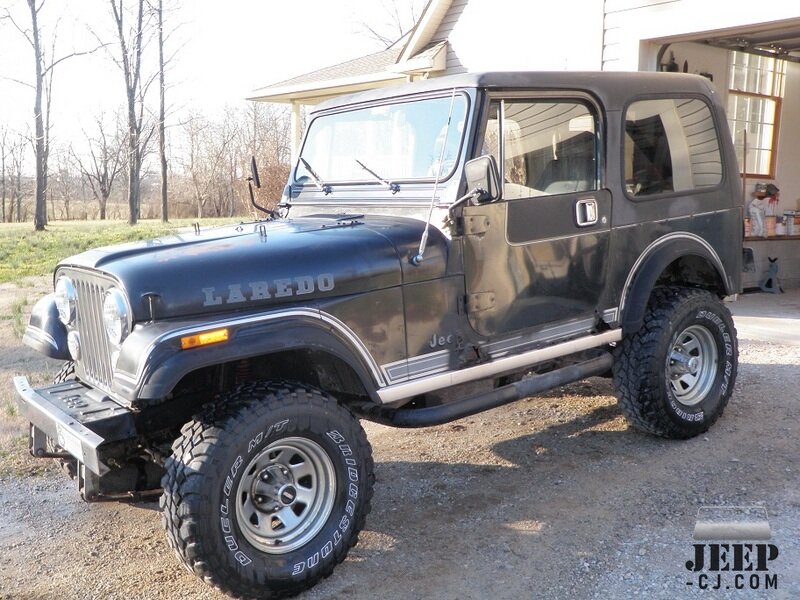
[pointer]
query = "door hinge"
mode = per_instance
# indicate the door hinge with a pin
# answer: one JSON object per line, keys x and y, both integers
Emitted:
{"x": 479, "y": 301}
{"x": 476, "y": 224}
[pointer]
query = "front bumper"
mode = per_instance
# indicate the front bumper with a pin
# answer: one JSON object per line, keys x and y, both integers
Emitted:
{"x": 80, "y": 419}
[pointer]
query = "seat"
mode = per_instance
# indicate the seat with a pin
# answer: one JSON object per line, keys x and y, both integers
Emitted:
{"x": 568, "y": 175}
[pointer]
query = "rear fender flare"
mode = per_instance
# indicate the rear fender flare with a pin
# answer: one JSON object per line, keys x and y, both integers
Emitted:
{"x": 651, "y": 265}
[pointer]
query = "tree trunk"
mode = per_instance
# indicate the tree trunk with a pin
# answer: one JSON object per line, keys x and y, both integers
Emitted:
{"x": 133, "y": 164}
{"x": 40, "y": 217}
{"x": 3, "y": 177}
{"x": 162, "y": 152}
{"x": 18, "y": 194}
{"x": 131, "y": 70}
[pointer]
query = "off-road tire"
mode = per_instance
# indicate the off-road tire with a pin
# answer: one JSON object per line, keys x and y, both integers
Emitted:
{"x": 220, "y": 516}
{"x": 65, "y": 373}
{"x": 674, "y": 376}
{"x": 68, "y": 465}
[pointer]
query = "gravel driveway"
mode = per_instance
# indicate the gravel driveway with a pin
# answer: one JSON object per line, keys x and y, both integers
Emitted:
{"x": 550, "y": 497}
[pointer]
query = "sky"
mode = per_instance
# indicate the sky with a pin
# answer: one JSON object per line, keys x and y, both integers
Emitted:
{"x": 227, "y": 50}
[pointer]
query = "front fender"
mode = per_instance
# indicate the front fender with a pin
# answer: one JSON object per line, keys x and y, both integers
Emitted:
{"x": 152, "y": 361}
{"x": 45, "y": 332}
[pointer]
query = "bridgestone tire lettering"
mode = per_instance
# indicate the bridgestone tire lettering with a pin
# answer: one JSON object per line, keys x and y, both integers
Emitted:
{"x": 218, "y": 455}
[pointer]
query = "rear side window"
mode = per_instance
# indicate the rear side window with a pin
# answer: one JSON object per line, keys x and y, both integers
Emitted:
{"x": 671, "y": 145}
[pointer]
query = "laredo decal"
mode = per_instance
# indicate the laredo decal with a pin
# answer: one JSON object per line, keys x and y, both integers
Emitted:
{"x": 259, "y": 290}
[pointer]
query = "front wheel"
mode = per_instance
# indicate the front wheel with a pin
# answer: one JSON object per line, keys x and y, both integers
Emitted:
{"x": 675, "y": 375}
{"x": 266, "y": 491}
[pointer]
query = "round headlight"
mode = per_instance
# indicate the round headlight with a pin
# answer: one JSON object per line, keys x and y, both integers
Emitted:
{"x": 115, "y": 316}
{"x": 66, "y": 298}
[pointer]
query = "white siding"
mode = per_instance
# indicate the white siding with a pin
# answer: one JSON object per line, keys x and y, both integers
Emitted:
{"x": 444, "y": 31}
{"x": 491, "y": 35}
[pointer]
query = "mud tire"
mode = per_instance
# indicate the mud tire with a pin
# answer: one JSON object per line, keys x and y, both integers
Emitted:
{"x": 675, "y": 375}
{"x": 235, "y": 531}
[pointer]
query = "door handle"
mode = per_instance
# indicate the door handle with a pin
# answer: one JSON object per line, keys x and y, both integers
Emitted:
{"x": 586, "y": 212}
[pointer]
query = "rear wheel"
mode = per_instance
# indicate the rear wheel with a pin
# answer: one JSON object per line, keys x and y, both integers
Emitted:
{"x": 675, "y": 375}
{"x": 267, "y": 490}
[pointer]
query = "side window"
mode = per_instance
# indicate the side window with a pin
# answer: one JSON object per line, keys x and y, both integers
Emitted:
{"x": 543, "y": 148}
{"x": 671, "y": 145}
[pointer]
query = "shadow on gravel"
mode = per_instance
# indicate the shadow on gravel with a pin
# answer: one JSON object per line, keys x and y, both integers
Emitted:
{"x": 567, "y": 500}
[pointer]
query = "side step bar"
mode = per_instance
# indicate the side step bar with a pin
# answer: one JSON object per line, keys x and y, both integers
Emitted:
{"x": 528, "y": 386}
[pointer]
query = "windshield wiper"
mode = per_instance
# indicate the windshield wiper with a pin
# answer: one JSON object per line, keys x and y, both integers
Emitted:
{"x": 326, "y": 188}
{"x": 394, "y": 187}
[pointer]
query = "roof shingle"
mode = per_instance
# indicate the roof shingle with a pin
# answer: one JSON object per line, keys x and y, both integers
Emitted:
{"x": 364, "y": 65}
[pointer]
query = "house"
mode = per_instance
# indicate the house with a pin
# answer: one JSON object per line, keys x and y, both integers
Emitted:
{"x": 750, "y": 51}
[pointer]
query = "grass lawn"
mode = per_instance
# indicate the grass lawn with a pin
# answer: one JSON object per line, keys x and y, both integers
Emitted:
{"x": 25, "y": 252}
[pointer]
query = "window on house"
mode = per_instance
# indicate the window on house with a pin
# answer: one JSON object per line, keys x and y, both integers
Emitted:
{"x": 754, "y": 107}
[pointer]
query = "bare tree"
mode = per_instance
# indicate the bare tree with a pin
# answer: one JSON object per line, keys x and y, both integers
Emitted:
{"x": 17, "y": 154}
{"x": 103, "y": 163}
{"x": 43, "y": 92}
{"x": 65, "y": 182}
{"x": 267, "y": 137}
{"x": 4, "y": 148}
{"x": 42, "y": 144}
{"x": 399, "y": 17}
{"x": 162, "y": 142}
{"x": 131, "y": 46}
{"x": 207, "y": 148}
{"x": 211, "y": 160}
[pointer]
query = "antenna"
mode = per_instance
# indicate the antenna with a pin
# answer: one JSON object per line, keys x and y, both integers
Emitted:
{"x": 417, "y": 260}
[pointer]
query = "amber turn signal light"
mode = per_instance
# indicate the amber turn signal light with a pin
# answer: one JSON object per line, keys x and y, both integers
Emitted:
{"x": 204, "y": 339}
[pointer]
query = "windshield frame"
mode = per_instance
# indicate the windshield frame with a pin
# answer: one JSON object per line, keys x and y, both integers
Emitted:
{"x": 396, "y": 100}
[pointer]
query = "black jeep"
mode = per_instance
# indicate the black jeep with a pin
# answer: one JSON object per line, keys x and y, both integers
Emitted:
{"x": 502, "y": 232}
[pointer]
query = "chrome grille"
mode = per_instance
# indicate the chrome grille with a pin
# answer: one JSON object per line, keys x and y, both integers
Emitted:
{"x": 94, "y": 365}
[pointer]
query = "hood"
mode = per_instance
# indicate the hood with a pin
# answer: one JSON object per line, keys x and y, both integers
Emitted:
{"x": 262, "y": 264}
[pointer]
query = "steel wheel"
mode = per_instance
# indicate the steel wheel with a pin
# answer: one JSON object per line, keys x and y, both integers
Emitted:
{"x": 285, "y": 495}
{"x": 692, "y": 365}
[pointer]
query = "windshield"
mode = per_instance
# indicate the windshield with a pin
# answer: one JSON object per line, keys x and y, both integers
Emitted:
{"x": 398, "y": 142}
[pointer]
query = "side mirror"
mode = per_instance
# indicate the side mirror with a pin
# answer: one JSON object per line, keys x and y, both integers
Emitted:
{"x": 254, "y": 172}
{"x": 483, "y": 177}
{"x": 254, "y": 180}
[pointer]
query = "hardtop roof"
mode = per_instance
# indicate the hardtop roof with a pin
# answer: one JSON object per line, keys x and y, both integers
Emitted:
{"x": 613, "y": 89}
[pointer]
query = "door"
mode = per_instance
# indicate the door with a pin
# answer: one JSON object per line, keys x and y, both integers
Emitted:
{"x": 536, "y": 258}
